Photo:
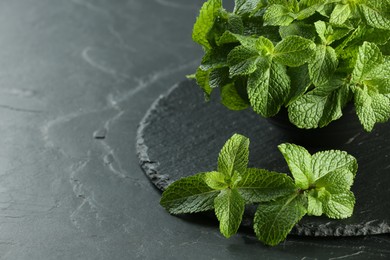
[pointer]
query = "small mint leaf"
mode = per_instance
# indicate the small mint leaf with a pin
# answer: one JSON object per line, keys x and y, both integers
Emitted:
{"x": 205, "y": 21}
{"x": 340, "y": 14}
{"x": 229, "y": 209}
{"x": 258, "y": 185}
{"x": 338, "y": 181}
{"x": 274, "y": 220}
{"x": 232, "y": 99}
{"x": 375, "y": 17}
{"x": 325, "y": 162}
{"x": 234, "y": 155}
{"x": 299, "y": 162}
{"x": 189, "y": 195}
{"x": 339, "y": 206}
{"x": 202, "y": 79}
{"x": 242, "y": 61}
{"x": 215, "y": 180}
{"x": 314, "y": 204}
{"x": 294, "y": 51}
{"x": 300, "y": 82}
{"x": 299, "y": 29}
{"x": 278, "y": 15}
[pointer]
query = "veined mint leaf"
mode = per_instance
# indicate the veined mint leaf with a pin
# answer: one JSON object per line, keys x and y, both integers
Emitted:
{"x": 229, "y": 37}
{"x": 299, "y": 162}
{"x": 336, "y": 182}
{"x": 219, "y": 77}
{"x": 248, "y": 6}
{"x": 264, "y": 46}
{"x": 323, "y": 65}
{"x": 300, "y": 82}
{"x": 369, "y": 57}
{"x": 371, "y": 107}
{"x": 308, "y": 7}
{"x": 299, "y": 29}
{"x": 318, "y": 108}
{"x": 232, "y": 99}
{"x": 314, "y": 202}
{"x": 229, "y": 209}
{"x": 235, "y": 24}
{"x": 216, "y": 57}
{"x": 189, "y": 195}
{"x": 333, "y": 160}
{"x": 242, "y": 61}
{"x": 205, "y": 22}
{"x": 215, "y": 180}
{"x": 234, "y": 155}
{"x": 274, "y": 220}
{"x": 375, "y": 17}
{"x": 330, "y": 33}
{"x": 340, "y": 14}
{"x": 339, "y": 206}
{"x": 258, "y": 185}
{"x": 278, "y": 15}
{"x": 268, "y": 88}
{"x": 294, "y": 51}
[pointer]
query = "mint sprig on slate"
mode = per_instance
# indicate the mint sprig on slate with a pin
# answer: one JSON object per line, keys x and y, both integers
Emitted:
{"x": 311, "y": 56}
{"x": 321, "y": 185}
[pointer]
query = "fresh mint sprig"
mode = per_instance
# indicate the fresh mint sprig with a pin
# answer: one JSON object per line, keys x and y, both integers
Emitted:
{"x": 321, "y": 185}
{"x": 310, "y": 56}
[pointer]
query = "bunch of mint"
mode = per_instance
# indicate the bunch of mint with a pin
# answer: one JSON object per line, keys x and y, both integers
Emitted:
{"x": 311, "y": 56}
{"x": 321, "y": 185}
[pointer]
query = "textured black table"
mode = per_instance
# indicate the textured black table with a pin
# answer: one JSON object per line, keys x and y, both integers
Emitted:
{"x": 76, "y": 79}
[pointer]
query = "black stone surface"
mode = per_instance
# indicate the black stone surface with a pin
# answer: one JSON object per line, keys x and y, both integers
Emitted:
{"x": 181, "y": 135}
{"x": 77, "y": 77}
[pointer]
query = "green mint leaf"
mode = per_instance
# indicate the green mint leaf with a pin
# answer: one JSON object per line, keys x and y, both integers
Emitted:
{"x": 235, "y": 24}
{"x": 229, "y": 37}
{"x": 300, "y": 82}
{"x": 234, "y": 155}
{"x": 205, "y": 21}
{"x": 336, "y": 182}
{"x": 318, "y": 108}
{"x": 215, "y": 180}
{"x": 375, "y": 17}
{"x": 340, "y": 14}
{"x": 231, "y": 98}
{"x": 339, "y": 206}
{"x": 330, "y": 33}
{"x": 371, "y": 107}
{"x": 314, "y": 203}
{"x": 202, "y": 79}
{"x": 242, "y": 61}
{"x": 268, "y": 88}
{"x": 325, "y": 162}
{"x": 299, "y": 29}
{"x": 323, "y": 65}
{"x": 216, "y": 57}
{"x": 278, "y": 15}
{"x": 258, "y": 185}
{"x": 294, "y": 51}
{"x": 274, "y": 220}
{"x": 229, "y": 209}
{"x": 219, "y": 77}
{"x": 369, "y": 57}
{"x": 308, "y": 7}
{"x": 248, "y": 6}
{"x": 189, "y": 195}
{"x": 299, "y": 162}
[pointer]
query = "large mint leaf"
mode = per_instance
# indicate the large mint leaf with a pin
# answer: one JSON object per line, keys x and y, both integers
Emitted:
{"x": 234, "y": 155}
{"x": 369, "y": 57}
{"x": 339, "y": 206}
{"x": 232, "y": 99}
{"x": 299, "y": 162}
{"x": 376, "y": 17}
{"x": 340, "y": 14}
{"x": 325, "y": 162}
{"x": 294, "y": 51}
{"x": 205, "y": 22}
{"x": 318, "y": 108}
{"x": 258, "y": 185}
{"x": 299, "y": 29}
{"x": 323, "y": 65}
{"x": 278, "y": 15}
{"x": 242, "y": 61}
{"x": 229, "y": 208}
{"x": 274, "y": 220}
{"x": 189, "y": 195}
{"x": 268, "y": 88}
{"x": 248, "y": 6}
{"x": 300, "y": 82}
{"x": 308, "y": 7}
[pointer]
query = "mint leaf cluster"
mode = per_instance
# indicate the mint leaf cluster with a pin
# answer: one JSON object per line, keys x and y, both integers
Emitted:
{"x": 320, "y": 185}
{"x": 311, "y": 56}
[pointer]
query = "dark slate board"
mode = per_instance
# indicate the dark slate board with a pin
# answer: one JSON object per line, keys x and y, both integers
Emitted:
{"x": 181, "y": 135}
